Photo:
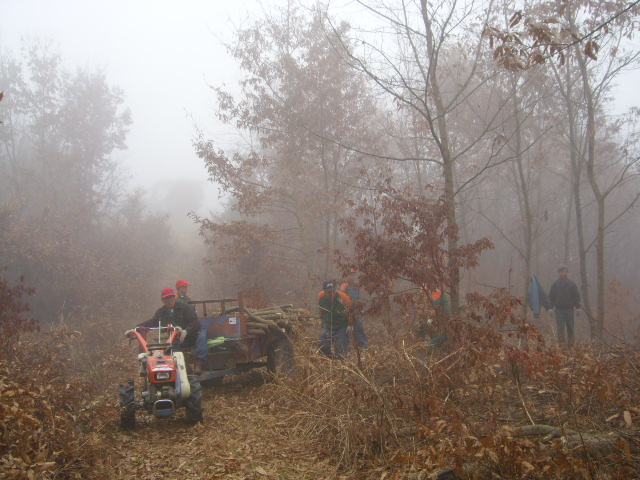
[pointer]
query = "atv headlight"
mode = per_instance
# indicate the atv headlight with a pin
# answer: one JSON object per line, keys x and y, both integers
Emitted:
{"x": 163, "y": 375}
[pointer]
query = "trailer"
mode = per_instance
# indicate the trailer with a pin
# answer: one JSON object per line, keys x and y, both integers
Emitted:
{"x": 235, "y": 348}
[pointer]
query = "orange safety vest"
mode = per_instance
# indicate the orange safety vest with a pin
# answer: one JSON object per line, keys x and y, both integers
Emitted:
{"x": 345, "y": 299}
{"x": 343, "y": 296}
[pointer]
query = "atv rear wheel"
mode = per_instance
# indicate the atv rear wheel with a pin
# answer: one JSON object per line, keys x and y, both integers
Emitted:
{"x": 193, "y": 405}
{"x": 127, "y": 406}
{"x": 280, "y": 358}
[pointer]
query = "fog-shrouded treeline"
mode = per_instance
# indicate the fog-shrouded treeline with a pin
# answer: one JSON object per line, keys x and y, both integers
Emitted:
{"x": 70, "y": 225}
{"x": 458, "y": 106}
{"x": 501, "y": 154}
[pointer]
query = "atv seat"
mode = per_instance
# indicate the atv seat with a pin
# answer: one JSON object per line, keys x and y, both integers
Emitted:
{"x": 166, "y": 347}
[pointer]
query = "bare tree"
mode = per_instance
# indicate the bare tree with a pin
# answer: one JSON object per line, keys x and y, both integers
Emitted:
{"x": 298, "y": 104}
{"x": 430, "y": 59}
{"x": 585, "y": 87}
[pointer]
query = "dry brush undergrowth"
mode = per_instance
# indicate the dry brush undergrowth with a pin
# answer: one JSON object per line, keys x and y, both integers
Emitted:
{"x": 50, "y": 386}
{"x": 482, "y": 409}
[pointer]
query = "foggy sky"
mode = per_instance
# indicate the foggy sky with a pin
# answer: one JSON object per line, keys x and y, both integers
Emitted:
{"x": 163, "y": 54}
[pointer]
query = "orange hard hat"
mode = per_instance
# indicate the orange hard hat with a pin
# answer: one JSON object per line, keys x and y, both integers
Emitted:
{"x": 436, "y": 294}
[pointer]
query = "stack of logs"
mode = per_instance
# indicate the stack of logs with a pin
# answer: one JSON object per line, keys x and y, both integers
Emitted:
{"x": 282, "y": 318}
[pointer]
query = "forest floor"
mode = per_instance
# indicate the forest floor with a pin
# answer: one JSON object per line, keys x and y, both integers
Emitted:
{"x": 244, "y": 436}
{"x": 484, "y": 409}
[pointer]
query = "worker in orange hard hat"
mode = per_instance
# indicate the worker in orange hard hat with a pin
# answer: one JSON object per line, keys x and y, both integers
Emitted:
{"x": 334, "y": 310}
{"x": 438, "y": 310}
{"x": 350, "y": 287}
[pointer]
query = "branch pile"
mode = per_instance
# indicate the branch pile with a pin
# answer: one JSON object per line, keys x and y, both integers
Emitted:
{"x": 281, "y": 318}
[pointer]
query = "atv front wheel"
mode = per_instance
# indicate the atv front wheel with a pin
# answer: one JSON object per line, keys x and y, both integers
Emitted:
{"x": 193, "y": 405}
{"x": 127, "y": 406}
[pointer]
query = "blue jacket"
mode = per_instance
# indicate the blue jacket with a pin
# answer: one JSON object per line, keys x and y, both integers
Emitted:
{"x": 537, "y": 297}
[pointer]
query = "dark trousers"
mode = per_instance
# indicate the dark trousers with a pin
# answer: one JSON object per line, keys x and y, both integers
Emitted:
{"x": 564, "y": 319}
{"x": 338, "y": 339}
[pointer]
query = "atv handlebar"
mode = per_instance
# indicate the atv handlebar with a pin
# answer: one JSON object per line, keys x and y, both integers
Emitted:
{"x": 140, "y": 333}
{"x": 168, "y": 327}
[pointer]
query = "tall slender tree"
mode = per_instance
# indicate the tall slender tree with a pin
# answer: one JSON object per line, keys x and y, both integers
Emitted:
{"x": 299, "y": 105}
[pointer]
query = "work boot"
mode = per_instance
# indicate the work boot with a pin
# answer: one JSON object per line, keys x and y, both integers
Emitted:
{"x": 199, "y": 366}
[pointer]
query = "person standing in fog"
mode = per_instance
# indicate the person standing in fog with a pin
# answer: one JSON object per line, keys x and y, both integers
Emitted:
{"x": 334, "y": 309}
{"x": 350, "y": 287}
{"x": 564, "y": 298}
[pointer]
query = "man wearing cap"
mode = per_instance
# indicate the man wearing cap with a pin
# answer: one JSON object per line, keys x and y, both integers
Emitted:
{"x": 181, "y": 315}
{"x": 334, "y": 309}
{"x": 564, "y": 297}
{"x": 181, "y": 287}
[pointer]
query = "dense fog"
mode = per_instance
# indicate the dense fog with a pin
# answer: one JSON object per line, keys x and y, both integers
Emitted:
{"x": 418, "y": 150}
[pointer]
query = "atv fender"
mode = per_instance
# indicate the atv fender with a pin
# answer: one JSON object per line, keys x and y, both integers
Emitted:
{"x": 185, "y": 386}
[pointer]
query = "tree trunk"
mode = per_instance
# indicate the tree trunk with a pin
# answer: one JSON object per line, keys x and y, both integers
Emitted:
{"x": 576, "y": 171}
{"x": 600, "y": 198}
{"x": 440, "y": 133}
{"x": 525, "y": 206}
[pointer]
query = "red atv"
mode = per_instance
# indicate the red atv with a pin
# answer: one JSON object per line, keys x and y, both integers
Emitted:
{"x": 167, "y": 386}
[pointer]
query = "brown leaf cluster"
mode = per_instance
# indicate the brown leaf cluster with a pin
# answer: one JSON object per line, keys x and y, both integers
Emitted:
{"x": 549, "y": 32}
{"x": 43, "y": 407}
{"x": 482, "y": 408}
{"x": 400, "y": 244}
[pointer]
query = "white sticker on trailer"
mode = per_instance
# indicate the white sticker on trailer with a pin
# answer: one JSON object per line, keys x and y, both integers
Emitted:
{"x": 232, "y": 320}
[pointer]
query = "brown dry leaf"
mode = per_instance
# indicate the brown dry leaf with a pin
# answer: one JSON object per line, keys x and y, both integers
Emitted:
{"x": 493, "y": 455}
{"x": 635, "y": 410}
{"x": 612, "y": 417}
{"x": 46, "y": 466}
{"x": 624, "y": 447}
{"x": 526, "y": 468}
{"x": 627, "y": 418}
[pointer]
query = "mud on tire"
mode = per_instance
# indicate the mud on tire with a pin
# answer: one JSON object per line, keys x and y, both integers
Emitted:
{"x": 193, "y": 405}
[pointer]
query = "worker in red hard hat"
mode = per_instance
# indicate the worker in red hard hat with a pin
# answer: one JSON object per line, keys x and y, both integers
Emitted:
{"x": 182, "y": 286}
{"x": 180, "y": 314}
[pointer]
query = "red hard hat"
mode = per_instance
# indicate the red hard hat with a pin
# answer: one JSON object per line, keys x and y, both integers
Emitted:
{"x": 182, "y": 283}
{"x": 167, "y": 292}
